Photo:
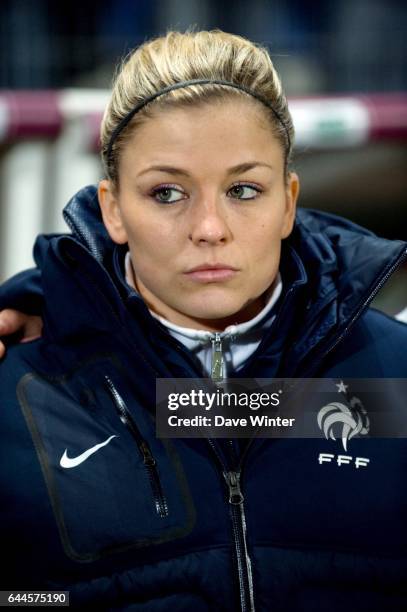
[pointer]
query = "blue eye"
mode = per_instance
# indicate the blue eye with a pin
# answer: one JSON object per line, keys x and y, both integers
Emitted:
{"x": 244, "y": 192}
{"x": 167, "y": 194}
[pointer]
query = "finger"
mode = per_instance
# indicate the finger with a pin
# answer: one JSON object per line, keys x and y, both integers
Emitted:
{"x": 2, "y": 350}
{"x": 11, "y": 321}
{"x": 32, "y": 329}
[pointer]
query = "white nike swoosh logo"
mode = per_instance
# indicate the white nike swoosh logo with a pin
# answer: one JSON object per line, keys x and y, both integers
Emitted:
{"x": 70, "y": 462}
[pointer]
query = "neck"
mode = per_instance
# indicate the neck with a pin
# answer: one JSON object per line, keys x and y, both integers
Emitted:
{"x": 213, "y": 325}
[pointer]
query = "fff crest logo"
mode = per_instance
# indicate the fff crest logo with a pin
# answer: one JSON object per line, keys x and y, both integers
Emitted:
{"x": 343, "y": 419}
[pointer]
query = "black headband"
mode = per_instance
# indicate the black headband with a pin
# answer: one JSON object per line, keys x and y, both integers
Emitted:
{"x": 126, "y": 120}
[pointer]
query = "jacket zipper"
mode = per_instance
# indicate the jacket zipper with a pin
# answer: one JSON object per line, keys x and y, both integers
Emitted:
{"x": 235, "y": 495}
{"x": 238, "y": 519}
{"x": 160, "y": 501}
{"x": 218, "y": 365}
{"x": 360, "y": 309}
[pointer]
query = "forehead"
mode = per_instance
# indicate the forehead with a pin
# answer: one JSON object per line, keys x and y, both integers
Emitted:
{"x": 205, "y": 133}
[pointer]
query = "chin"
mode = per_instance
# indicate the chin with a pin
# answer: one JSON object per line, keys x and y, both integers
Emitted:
{"x": 215, "y": 309}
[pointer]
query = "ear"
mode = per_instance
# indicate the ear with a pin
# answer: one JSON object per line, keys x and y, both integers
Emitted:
{"x": 291, "y": 196}
{"x": 109, "y": 205}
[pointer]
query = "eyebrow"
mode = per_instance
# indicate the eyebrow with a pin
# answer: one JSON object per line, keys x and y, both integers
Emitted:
{"x": 233, "y": 170}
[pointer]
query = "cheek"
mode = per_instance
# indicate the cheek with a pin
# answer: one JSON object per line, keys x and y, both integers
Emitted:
{"x": 266, "y": 239}
{"x": 143, "y": 233}
{"x": 153, "y": 248}
{"x": 263, "y": 252}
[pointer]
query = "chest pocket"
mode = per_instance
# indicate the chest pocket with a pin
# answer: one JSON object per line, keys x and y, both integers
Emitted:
{"x": 113, "y": 486}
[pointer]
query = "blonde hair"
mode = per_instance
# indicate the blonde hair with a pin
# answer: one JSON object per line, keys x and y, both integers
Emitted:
{"x": 176, "y": 57}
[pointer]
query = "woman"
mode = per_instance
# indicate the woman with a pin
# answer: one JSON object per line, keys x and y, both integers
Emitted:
{"x": 185, "y": 262}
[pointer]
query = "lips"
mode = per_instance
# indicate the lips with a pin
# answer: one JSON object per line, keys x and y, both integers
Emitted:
{"x": 212, "y": 273}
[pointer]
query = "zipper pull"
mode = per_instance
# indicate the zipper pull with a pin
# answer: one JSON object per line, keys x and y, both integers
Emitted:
{"x": 217, "y": 369}
{"x": 148, "y": 458}
{"x": 236, "y": 496}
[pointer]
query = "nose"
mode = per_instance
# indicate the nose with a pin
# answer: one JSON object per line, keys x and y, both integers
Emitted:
{"x": 208, "y": 222}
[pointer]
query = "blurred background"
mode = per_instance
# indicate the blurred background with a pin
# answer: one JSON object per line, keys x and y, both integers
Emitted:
{"x": 342, "y": 62}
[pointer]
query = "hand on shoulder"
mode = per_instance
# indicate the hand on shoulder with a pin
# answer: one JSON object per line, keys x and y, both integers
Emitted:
{"x": 28, "y": 327}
